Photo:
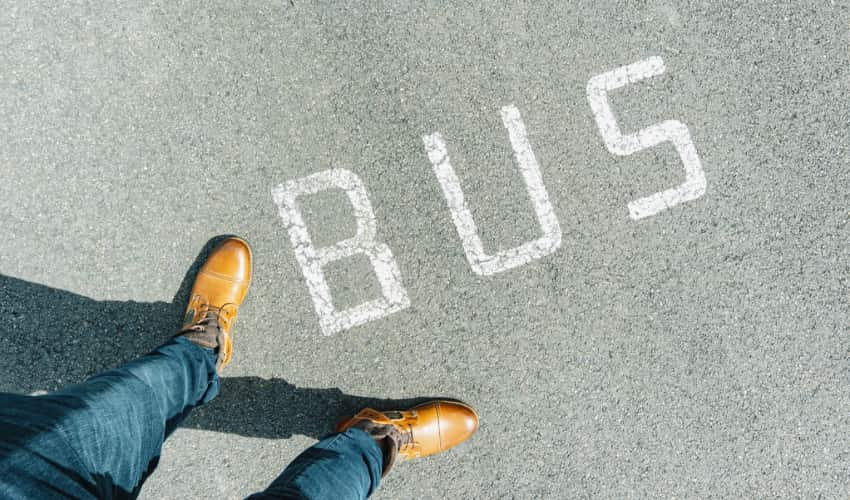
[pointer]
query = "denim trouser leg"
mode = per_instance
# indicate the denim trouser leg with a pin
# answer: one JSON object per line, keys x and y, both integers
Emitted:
{"x": 341, "y": 466}
{"x": 103, "y": 437}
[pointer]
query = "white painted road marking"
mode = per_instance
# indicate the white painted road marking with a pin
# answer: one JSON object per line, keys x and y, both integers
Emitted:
{"x": 312, "y": 260}
{"x": 481, "y": 262}
{"x": 623, "y": 145}
{"x": 394, "y": 296}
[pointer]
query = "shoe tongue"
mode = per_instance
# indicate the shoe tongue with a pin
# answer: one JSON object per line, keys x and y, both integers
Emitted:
{"x": 211, "y": 317}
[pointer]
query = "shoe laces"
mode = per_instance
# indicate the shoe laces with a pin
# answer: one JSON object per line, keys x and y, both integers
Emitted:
{"x": 210, "y": 319}
{"x": 400, "y": 435}
{"x": 405, "y": 437}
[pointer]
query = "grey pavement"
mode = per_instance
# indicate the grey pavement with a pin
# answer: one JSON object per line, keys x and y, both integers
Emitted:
{"x": 701, "y": 352}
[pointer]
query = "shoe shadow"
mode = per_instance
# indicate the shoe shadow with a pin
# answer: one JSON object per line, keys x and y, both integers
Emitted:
{"x": 54, "y": 337}
{"x": 256, "y": 407}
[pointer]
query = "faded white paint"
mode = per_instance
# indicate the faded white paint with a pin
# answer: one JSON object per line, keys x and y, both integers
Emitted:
{"x": 312, "y": 260}
{"x": 481, "y": 262}
{"x": 623, "y": 145}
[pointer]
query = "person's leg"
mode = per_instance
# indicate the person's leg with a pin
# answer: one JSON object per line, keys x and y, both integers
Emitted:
{"x": 103, "y": 437}
{"x": 351, "y": 463}
{"x": 341, "y": 466}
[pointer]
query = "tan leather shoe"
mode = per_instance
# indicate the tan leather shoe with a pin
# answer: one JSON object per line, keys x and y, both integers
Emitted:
{"x": 421, "y": 431}
{"x": 218, "y": 291}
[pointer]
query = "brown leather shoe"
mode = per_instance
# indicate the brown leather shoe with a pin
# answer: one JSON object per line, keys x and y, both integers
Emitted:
{"x": 421, "y": 431}
{"x": 218, "y": 291}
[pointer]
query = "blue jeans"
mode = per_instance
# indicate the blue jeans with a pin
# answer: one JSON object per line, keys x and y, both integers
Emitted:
{"x": 102, "y": 438}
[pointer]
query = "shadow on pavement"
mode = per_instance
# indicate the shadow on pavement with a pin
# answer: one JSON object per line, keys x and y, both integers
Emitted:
{"x": 50, "y": 338}
{"x": 256, "y": 407}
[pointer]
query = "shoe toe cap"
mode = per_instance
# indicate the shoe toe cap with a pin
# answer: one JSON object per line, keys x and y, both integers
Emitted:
{"x": 231, "y": 259}
{"x": 458, "y": 422}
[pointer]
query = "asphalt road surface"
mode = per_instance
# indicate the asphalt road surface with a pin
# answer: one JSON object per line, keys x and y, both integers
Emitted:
{"x": 700, "y": 351}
